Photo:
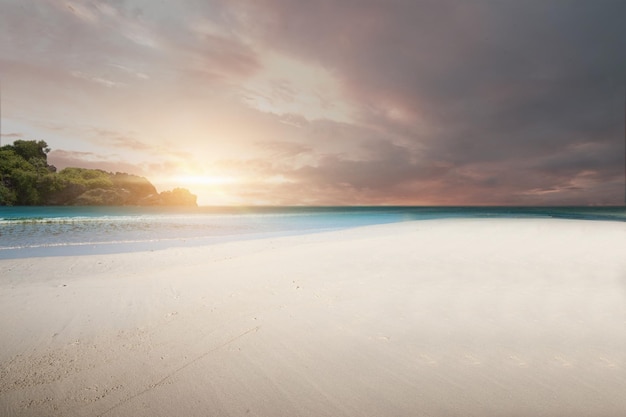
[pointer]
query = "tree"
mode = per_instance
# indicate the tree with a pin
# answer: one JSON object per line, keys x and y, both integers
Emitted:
{"x": 27, "y": 179}
{"x": 24, "y": 173}
{"x": 32, "y": 150}
{"x": 7, "y": 196}
{"x": 18, "y": 178}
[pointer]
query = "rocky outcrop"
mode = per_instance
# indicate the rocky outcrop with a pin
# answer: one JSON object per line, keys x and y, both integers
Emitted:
{"x": 119, "y": 189}
{"x": 103, "y": 197}
{"x": 139, "y": 188}
{"x": 27, "y": 179}
{"x": 124, "y": 197}
{"x": 178, "y": 197}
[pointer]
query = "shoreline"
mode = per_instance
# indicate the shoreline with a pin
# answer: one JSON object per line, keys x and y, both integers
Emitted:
{"x": 443, "y": 317}
{"x": 60, "y": 231}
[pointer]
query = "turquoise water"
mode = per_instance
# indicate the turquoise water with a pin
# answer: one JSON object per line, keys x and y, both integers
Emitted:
{"x": 54, "y": 231}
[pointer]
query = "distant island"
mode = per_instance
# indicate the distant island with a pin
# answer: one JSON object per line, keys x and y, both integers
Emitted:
{"x": 26, "y": 179}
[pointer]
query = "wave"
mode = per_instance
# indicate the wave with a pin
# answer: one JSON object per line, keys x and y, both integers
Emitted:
{"x": 100, "y": 243}
{"x": 40, "y": 229}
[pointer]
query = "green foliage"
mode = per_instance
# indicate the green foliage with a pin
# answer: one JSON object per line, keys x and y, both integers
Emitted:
{"x": 32, "y": 151}
{"x": 90, "y": 178}
{"x": 19, "y": 179}
{"x": 25, "y": 183}
{"x": 10, "y": 160}
{"x": 7, "y": 196}
{"x": 27, "y": 179}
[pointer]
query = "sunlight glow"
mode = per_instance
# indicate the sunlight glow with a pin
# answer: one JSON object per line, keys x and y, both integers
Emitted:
{"x": 205, "y": 180}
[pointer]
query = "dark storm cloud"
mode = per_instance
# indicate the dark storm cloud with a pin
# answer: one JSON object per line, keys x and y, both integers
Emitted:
{"x": 438, "y": 101}
{"x": 502, "y": 83}
{"x": 597, "y": 158}
{"x": 389, "y": 166}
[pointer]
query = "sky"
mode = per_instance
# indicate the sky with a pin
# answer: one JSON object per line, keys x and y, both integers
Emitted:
{"x": 327, "y": 102}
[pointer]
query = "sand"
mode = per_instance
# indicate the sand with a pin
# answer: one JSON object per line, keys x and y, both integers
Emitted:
{"x": 430, "y": 318}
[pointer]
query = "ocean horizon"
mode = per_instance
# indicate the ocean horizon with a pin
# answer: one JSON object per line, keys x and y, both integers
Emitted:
{"x": 36, "y": 231}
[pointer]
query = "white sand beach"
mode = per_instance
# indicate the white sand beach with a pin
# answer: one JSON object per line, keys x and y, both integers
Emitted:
{"x": 427, "y": 318}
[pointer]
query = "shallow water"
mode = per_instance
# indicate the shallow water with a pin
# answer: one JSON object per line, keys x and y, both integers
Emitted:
{"x": 53, "y": 231}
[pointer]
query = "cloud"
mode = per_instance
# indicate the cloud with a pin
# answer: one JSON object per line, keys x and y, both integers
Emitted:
{"x": 280, "y": 149}
{"x": 426, "y": 101}
{"x": 81, "y": 11}
{"x": 99, "y": 80}
{"x": 295, "y": 120}
{"x": 119, "y": 139}
{"x": 131, "y": 71}
{"x": 487, "y": 88}
{"x": 223, "y": 55}
{"x": 62, "y": 159}
{"x": 591, "y": 157}
{"x": 390, "y": 167}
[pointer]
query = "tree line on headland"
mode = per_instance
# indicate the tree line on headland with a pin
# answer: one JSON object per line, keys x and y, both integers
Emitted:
{"x": 27, "y": 179}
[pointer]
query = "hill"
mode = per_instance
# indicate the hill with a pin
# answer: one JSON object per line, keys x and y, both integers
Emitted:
{"x": 26, "y": 178}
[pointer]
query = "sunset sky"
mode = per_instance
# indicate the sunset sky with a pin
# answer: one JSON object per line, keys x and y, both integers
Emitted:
{"x": 327, "y": 102}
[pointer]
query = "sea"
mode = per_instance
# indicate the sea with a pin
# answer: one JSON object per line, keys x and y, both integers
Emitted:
{"x": 60, "y": 231}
